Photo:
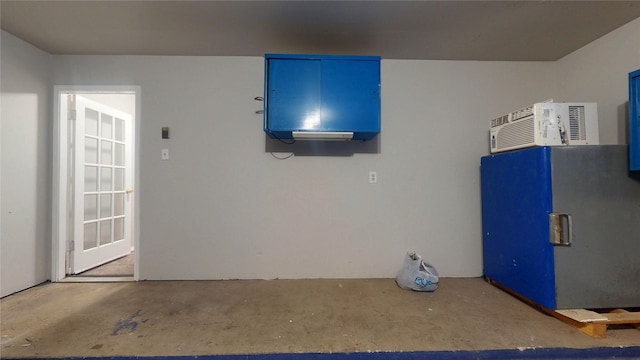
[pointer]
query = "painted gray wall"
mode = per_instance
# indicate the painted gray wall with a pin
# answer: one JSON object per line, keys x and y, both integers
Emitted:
{"x": 25, "y": 180}
{"x": 599, "y": 72}
{"x": 223, "y": 207}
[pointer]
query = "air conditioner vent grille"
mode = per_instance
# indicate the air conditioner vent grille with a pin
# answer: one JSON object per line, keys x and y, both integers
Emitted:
{"x": 499, "y": 121}
{"x": 516, "y": 134}
{"x": 519, "y": 114}
{"x": 577, "y": 130}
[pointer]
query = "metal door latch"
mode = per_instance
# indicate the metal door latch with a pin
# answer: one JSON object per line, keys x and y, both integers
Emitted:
{"x": 560, "y": 229}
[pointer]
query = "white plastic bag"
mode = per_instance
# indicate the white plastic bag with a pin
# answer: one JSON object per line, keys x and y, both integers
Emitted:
{"x": 416, "y": 274}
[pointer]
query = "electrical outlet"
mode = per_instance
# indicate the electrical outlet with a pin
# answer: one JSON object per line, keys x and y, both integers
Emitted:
{"x": 373, "y": 177}
{"x": 165, "y": 154}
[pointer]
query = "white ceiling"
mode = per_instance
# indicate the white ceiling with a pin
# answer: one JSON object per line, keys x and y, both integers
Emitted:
{"x": 445, "y": 30}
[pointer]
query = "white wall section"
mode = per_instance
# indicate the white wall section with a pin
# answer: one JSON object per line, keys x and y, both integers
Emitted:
{"x": 599, "y": 72}
{"x": 222, "y": 207}
{"x": 25, "y": 156}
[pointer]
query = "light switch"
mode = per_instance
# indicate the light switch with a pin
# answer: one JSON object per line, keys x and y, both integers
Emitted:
{"x": 165, "y": 154}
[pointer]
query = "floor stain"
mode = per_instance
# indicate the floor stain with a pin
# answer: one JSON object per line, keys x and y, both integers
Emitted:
{"x": 127, "y": 324}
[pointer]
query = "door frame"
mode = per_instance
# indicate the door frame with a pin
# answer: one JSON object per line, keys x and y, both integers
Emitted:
{"x": 60, "y": 166}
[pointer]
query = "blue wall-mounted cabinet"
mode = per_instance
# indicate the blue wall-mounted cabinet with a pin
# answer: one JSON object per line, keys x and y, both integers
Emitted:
{"x": 634, "y": 120}
{"x": 322, "y": 93}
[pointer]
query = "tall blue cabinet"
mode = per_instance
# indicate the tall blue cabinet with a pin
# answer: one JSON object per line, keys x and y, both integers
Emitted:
{"x": 634, "y": 120}
{"x": 322, "y": 93}
{"x": 561, "y": 225}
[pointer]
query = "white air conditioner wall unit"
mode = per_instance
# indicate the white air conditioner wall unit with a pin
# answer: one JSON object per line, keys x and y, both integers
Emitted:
{"x": 545, "y": 124}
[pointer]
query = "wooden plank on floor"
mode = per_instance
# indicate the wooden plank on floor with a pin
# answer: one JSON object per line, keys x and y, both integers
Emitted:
{"x": 617, "y": 316}
{"x": 596, "y": 330}
{"x": 582, "y": 315}
{"x": 591, "y": 322}
{"x": 633, "y": 324}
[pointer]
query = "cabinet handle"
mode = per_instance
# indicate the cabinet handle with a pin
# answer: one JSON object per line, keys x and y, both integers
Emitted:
{"x": 559, "y": 233}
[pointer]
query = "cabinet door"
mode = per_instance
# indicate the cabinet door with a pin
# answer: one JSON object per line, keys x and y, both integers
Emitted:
{"x": 293, "y": 95}
{"x": 516, "y": 202}
{"x": 634, "y": 120}
{"x": 322, "y": 93}
{"x": 351, "y": 95}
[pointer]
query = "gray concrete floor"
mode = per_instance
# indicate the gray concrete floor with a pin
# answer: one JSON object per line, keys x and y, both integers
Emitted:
{"x": 278, "y": 316}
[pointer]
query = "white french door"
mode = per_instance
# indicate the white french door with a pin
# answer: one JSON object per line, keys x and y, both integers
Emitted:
{"x": 102, "y": 185}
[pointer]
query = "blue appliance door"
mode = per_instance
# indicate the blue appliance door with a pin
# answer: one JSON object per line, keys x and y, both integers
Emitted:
{"x": 516, "y": 202}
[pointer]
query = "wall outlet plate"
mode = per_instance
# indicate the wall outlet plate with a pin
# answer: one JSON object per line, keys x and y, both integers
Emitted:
{"x": 373, "y": 177}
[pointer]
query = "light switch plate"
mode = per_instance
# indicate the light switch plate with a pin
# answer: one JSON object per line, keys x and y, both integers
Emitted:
{"x": 165, "y": 154}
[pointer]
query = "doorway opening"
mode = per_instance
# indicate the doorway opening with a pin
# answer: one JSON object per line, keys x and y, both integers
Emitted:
{"x": 94, "y": 208}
